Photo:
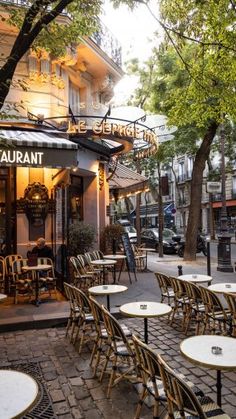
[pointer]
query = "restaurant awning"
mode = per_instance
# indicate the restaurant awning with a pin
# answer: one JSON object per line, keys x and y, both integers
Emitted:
{"x": 36, "y": 148}
{"x": 125, "y": 181}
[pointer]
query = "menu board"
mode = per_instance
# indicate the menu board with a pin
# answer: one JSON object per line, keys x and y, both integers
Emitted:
{"x": 128, "y": 252}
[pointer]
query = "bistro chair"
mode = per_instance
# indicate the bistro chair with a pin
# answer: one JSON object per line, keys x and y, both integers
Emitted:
{"x": 182, "y": 402}
{"x": 180, "y": 299}
{"x": 217, "y": 319}
{"x": 8, "y": 267}
{"x": 50, "y": 278}
{"x": 2, "y": 274}
{"x": 149, "y": 373}
{"x": 140, "y": 257}
{"x": 74, "y": 310}
{"x": 79, "y": 279}
{"x": 231, "y": 301}
{"x": 165, "y": 287}
{"x": 101, "y": 340}
{"x": 196, "y": 308}
{"x": 88, "y": 269}
{"x": 85, "y": 320}
{"x": 21, "y": 282}
{"x": 121, "y": 353}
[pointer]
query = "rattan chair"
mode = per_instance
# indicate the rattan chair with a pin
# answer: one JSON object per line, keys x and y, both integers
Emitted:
{"x": 101, "y": 343}
{"x": 181, "y": 299}
{"x": 196, "y": 309}
{"x": 85, "y": 321}
{"x": 8, "y": 268}
{"x": 231, "y": 301}
{"x": 2, "y": 274}
{"x": 181, "y": 400}
{"x": 79, "y": 279}
{"x": 217, "y": 319}
{"x": 74, "y": 310}
{"x": 21, "y": 282}
{"x": 149, "y": 374}
{"x": 165, "y": 286}
{"x": 49, "y": 280}
{"x": 121, "y": 353}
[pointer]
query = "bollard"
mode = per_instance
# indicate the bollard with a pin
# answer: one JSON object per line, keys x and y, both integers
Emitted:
{"x": 180, "y": 270}
{"x": 208, "y": 256}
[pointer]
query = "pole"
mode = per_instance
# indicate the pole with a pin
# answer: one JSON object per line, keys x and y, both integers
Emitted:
{"x": 208, "y": 256}
{"x": 224, "y": 244}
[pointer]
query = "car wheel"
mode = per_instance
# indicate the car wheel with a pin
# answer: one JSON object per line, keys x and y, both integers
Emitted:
{"x": 181, "y": 252}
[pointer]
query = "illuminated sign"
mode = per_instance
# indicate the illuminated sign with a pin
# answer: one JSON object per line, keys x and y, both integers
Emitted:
{"x": 111, "y": 129}
{"x": 19, "y": 157}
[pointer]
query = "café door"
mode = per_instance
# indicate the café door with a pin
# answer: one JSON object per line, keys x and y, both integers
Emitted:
{"x": 7, "y": 211}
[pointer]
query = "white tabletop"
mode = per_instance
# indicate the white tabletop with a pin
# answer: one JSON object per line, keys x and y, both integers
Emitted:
{"x": 223, "y": 287}
{"x": 103, "y": 262}
{"x": 3, "y": 296}
{"x": 114, "y": 257}
{"x": 195, "y": 278}
{"x": 197, "y": 349}
{"x": 145, "y": 309}
{"x": 107, "y": 289}
{"x": 36, "y": 268}
{"x": 18, "y": 391}
{"x": 147, "y": 249}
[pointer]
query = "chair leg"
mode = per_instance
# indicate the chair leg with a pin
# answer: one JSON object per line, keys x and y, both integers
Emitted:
{"x": 112, "y": 376}
{"x": 142, "y": 397}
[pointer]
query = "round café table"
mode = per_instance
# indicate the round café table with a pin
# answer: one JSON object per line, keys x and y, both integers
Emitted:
{"x": 145, "y": 309}
{"x": 196, "y": 278}
{"x": 35, "y": 275}
{"x": 104, "y": 263}
{"x": 107, "y": 290}
{"x": 116, "y": 258}
{"x": 222, "y": 288}
{"x": 199, "y": 350}
{"x": 18, "y": 393}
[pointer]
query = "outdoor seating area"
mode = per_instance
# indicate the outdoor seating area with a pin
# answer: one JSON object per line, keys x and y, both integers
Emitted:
{"x": 119, "y": 353}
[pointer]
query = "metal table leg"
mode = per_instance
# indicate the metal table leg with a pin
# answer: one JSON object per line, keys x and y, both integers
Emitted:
{"x": 218, "y": 387}
{"x": 146, "y": 330}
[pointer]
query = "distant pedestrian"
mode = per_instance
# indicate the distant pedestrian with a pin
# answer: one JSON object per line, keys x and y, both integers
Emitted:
{"x": 42, "y": 250}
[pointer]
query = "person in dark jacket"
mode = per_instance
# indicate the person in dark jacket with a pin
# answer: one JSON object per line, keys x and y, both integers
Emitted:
{"x": 42, "y": 250}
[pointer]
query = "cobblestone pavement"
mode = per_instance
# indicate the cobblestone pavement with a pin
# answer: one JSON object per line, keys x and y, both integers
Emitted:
{"x": 75, "y": 393}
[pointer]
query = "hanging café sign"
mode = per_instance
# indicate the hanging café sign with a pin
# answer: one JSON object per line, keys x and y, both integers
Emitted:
{"x": 131, "y": 135}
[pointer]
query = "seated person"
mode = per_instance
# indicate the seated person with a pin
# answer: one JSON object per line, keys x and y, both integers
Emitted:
{"x": 42, "y": 250}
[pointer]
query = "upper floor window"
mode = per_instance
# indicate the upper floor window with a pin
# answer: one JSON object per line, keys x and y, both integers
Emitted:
{"x": 74, "y": 98}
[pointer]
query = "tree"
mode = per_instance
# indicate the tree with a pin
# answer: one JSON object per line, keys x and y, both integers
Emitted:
{"x": 193, "y": 81}
{"x": 38, "y": 24}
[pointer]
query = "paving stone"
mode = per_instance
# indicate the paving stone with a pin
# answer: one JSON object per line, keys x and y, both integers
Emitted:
{"x": 76, "y": 413}
{"x": 61, "y": 408}
{"x": 97, "y": 393}
{"x": 81, "y": 392}
{"x": 57, "y": 395}
{"x": 92, "y": 414}
{"x": 76, "y": 381}
{"x": 87, "y": 404}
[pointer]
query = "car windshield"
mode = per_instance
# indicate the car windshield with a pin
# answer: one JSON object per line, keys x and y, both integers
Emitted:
{"x": 168, "y": 234}
{"x": 130, "y": 229}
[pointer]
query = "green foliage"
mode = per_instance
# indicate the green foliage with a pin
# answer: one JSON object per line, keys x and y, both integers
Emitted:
{"x": 110, "y": 236}
{"x": 81, "y": 237}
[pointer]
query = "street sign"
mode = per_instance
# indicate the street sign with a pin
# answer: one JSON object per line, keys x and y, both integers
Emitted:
{"x": 173, "y": 210}
{"x": 213, "y": 187}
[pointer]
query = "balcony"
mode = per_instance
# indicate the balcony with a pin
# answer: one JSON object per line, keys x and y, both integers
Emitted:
{"x": 106, "y": 41}
{"x": 103, "y": 38}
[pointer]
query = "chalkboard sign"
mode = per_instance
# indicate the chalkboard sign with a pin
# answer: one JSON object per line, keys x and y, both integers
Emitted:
{"x": 130, "y": 260}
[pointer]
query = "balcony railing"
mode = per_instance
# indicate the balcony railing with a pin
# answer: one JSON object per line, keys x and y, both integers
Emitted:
{"x": 108, "y": 43}
{"x": 103, "y": 38}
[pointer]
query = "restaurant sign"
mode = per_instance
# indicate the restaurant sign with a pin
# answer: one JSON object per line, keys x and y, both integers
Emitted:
{"x": 18, "y": 157}
{"x": 38, "y": 157}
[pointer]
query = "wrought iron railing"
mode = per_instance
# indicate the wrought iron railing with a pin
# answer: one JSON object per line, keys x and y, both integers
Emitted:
{"x": 103, "y": 37}
{"x": 108, "y": 43}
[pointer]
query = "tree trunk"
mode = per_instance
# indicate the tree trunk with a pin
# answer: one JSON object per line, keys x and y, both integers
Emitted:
{"x": 196, "y": 192}
{"x": 160, "y": 214}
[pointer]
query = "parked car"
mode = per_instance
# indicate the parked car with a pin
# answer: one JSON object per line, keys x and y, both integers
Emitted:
{"x": 150, "y": 237}
{"x": 132, "y": 233}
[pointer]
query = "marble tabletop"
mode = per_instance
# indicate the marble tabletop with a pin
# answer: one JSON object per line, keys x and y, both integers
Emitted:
{"x": 18, "y": 392}
{"x": 145, "y": 309}
{"x": 195, "y": 278}
{"x": 107, "y": 289}
{"x": 223, "y": 287}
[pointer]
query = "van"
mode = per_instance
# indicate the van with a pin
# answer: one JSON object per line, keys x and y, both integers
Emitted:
{"x": 132, "y": 233}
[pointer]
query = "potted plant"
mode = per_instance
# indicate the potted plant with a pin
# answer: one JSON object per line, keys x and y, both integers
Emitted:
{"x": 81, "y": 237}
{"x": 111, "y": 237}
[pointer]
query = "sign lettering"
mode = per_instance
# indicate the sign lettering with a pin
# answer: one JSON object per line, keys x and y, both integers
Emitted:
{"x": 19, "y": 157}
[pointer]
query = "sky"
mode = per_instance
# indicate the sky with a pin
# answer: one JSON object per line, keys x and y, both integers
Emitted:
{"x": 134, "y": 30}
